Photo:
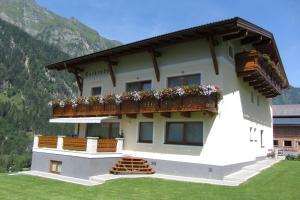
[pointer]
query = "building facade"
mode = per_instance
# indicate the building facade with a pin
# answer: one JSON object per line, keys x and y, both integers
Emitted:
{"x": 234, "y": 67}
{"x": 286, "y": 127}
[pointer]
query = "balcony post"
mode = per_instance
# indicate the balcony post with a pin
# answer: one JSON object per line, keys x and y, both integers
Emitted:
{"x": 36, "y": 141}
{"x": 120, "y": 142}
{"x": 60, "y": 142}
{"x": 91, "y": 145}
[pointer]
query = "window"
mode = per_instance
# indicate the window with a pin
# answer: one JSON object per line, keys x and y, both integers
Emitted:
{"x": 185, "y": 133}
{"x": 55, "y": 166}
{"x": 257, "y": 100}
{"x": 230, "y": 51}
{"x": 105, "y": 130}
{"x": 251, "y": 135}
{"x": 146, "y": 132}
{"x": 252, "y": 97}
{"x": 184, "y": 80}
{"x": 287, "y": 143}
{"x": 138, "y": 86}
{"x": 275, "y": 142}
{"x": 261, "y": 139}
{"x": 96, "y": 91}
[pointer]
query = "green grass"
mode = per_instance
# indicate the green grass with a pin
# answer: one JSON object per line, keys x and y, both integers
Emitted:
{"x": 282, "y": 181}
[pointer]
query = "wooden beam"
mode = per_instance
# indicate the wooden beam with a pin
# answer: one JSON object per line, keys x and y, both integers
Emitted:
{"x": 238, "y": 35}
{"x": 154, "y": 55}
{"x": 166, "y": 114}
{"x": 111, "y": 71}
{"x": 131, "y": 115}
{"x": 148, "y": 115}
{"x": 263, "y": 42}
{"x": 186, "y": 114}
{"x": 79, "y": 79}
{"x": 213, "y": 54}
{"x": 251, "y": 39}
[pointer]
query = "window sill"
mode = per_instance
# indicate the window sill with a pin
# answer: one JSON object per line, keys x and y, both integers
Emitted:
{"x": 198, "y": 145}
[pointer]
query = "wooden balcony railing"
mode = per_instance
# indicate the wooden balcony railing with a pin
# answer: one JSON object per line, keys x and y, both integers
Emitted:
{"x": 107, "y": 145}
{"x": 47, "y": 141}
{"x": 177, "y": 104}
{"x": 263, "y": 75}
{"x": 77, "y": 144}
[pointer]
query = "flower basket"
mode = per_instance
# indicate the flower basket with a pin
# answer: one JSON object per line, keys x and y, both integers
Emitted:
{"x": 82, "y": 110}
{"x": 129, "y": 106}
{"x": 149, "y": 105}
{"x": 96, "y": 109}
{"x": 171, "y": 104}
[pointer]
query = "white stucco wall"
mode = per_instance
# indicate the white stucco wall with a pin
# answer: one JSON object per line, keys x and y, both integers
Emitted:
{"x": 226, "y": 135}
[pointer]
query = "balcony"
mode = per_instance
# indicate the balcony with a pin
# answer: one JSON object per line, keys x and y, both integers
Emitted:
{"x": 89, "y": 144}
{"x": 260, "y": 72}
{"x": 196, "y": 102}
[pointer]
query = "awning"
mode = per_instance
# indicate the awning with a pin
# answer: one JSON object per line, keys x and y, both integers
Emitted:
{"x": 80, "y": 120}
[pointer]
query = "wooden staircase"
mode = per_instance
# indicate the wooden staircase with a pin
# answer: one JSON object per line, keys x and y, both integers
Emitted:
{"x": 132, "y": 165}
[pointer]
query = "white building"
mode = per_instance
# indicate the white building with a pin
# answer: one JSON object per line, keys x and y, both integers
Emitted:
{"x": 189, "y": 135}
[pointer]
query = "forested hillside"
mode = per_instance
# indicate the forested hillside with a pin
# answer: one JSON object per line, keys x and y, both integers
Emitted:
{"x": 69, "y": 35}
{"x": 289, "y": 96}
{"x": 25, "y": 89}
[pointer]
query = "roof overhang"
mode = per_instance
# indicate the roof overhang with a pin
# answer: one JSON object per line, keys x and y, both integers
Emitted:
{"x": 226, "y": 27}
{"x": 80, "y": 120}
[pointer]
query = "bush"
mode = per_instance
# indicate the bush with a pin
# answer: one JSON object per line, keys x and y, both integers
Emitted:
{"x": 293, "y": 157}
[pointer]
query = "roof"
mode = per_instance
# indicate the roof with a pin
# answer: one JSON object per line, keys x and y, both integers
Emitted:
{"x": 290, "y": 110}
{"x": 233, "y": 26}
{"x": 286, "y": 121}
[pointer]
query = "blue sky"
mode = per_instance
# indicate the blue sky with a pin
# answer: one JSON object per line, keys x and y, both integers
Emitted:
{"x": 131, "y": 20}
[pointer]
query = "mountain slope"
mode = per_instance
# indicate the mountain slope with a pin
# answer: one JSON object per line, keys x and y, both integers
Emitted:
{"x": 289, "y": 96}
{"x": 69, "y": 35}
{"x": 25, "y": 89}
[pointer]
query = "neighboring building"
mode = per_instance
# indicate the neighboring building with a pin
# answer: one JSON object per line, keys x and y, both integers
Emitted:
{"x": 286, "y": 127}
{"x": 186, "y": 131}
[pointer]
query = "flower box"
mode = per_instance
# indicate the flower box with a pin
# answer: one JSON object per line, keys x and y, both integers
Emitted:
{"x": 69, "y": 110}
{"x": 82, "y": 110}
{"x": 171, "y": 104}
{"x": 58, "y": 111}
{"x": 129, "y": 107}
{"x": 111, "y": 108}
{"x": 96, "y": 109}
{"x": 149, "y": 105}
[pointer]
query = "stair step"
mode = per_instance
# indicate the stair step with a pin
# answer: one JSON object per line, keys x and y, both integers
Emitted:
{"x": 132, "y": 165}
{"x": 137, "y": 162}
{"x": 131, "y": 172}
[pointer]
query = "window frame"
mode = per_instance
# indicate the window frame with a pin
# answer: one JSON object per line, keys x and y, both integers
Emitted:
{"x": 184, "y": 139}
{"x": 57, "y": 163}
{"x": 275, "y": 145}
{"x": 183, "y": 75}
{"x": 139, "y": 133}
{"x": 140, "y": 84}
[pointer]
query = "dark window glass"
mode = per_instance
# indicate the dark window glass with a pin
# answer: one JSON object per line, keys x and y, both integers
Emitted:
{"x": 184, "y": 80}
{"x": 275, "y": 142}
{"x": 186, "y": 133}
{"x": 146, "y": 132}
{"x": 230, "y": 51}
{"x": 287, "y": 143}
{"x": 138, "y": 86}
{"x": 96, "y": 91}
{"x": 104, "y": 130}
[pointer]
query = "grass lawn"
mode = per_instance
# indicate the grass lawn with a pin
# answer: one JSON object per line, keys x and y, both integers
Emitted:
{"x": 282, "y": 181}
